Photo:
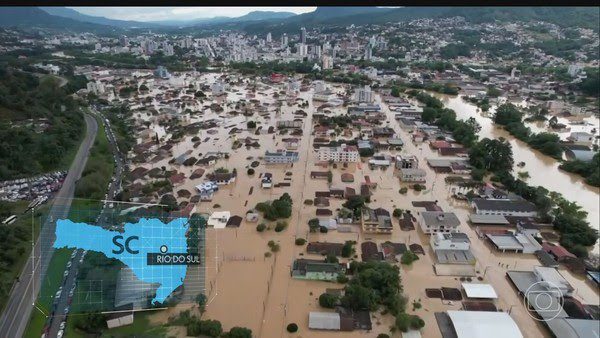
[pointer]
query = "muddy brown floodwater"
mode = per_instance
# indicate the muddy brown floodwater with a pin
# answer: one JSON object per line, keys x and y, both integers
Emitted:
{"x": 543, "y": 170}
{"x": 246, "y": 288}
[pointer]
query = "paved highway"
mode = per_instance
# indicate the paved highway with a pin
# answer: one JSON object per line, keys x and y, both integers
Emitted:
{"x": 103, "y": 219}
{"x": 16, "y": 315}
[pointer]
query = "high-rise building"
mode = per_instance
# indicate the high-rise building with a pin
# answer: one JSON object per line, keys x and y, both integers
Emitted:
{"x": 149, "y": 46}
{"x": 303, "y": 35}
{"x": 269, "y": 37}
{"x": 317, "y": 51}
{"x": 186, "y": 43}
{"x": 168, "y": 49}
{"x": 327, "y": 62}
{"x": 124, "y": 40}
{"x": 284, "y": 40}
{"x": 368, "y": 52}
{"x": 302, "y": 49}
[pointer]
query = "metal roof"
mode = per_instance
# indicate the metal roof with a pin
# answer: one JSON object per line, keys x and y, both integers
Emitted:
{"x": 440, "y": 218}
{"x": 475, "y": 290}
{"x": 505, "y": 242}
{"x": 477, "y": 324}
{"x": 324, "y": 320}
{"x": 488, "y": 219}
{"x": 504, "y": 205}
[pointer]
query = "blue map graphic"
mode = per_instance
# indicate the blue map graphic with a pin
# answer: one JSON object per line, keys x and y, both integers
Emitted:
{"x": 145, "y": 236}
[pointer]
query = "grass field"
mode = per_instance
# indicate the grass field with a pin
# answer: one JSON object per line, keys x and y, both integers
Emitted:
{"x": 53, "y": 280}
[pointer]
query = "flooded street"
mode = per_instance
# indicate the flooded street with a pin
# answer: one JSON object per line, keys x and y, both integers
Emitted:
{"x": 249, "y": 286}
{"x": 543, "y": 170}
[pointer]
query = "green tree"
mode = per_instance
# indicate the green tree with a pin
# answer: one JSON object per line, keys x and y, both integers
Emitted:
{"x": 211, "y": 328}
{"x": 331, "y": 259}
{"x": 239, "y": 332}
{"x": 397, "y": 213}
{"x": 507, "y": 113}
{"x": 348, "y": 249}
{"x": 91, "y": 322}
{"x": 292, "y": 327}
{"x": 313, "y": 224}
{"x": 408, "y": 257}
{"x": 201, "y": 300}
{"x": 328, "y": 300}
{"x": 493, "y": 154}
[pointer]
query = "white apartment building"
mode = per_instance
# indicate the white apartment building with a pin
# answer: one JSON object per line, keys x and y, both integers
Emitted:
{"x": 364, "y": 94}
{"x": 302, "y": 49}
{"x": 343, "y": 153}
{"x": 95, "y": 87}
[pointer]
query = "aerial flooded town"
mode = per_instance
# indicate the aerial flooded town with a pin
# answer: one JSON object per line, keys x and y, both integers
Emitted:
{"x": 417, "y": 173}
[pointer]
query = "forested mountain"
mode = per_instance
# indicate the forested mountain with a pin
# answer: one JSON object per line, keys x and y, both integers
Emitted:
{"x": 344, "y": 16}
{"x": 279, "y": 22}
{"x": 75, "y": 15}
{"x": 33, "y": 17}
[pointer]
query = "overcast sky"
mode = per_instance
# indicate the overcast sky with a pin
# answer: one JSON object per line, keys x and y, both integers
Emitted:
{"x": 179, "y": 13}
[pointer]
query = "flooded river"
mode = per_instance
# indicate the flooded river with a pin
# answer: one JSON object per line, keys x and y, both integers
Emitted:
{"x": 543, "y": 170}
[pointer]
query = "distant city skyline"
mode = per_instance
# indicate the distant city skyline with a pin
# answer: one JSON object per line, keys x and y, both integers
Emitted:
{"x": 180, "y": 13}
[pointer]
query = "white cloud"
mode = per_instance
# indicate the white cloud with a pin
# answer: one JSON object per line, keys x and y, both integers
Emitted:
{"x": 179, "y": 13}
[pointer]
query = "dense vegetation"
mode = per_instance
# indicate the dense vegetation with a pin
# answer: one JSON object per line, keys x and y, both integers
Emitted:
{"x": 196, "y": 326}
{"x": 377, "y": 284}
{"x": 98, "y": 169}
{"x": 464, "y": 132}
{"x": 16, "y": 243}
{"x": 589, "y": 170}
{"x": 27, "y": 101}
{"x": 279, "y": 208}
{"x": 509, "y": 116}
{"x": 119, "y": 122}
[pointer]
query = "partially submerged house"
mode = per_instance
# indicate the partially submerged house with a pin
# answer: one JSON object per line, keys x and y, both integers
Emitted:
{"x": 316, "y": 270}
{"x": 376, "y": 221}
{"x": 432, "y": 222}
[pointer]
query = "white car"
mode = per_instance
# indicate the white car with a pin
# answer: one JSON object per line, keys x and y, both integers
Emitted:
{"x": 69, "y": 265}
{"x": 60, "y": 333}
{"x": 66, "y": 310}
{"x": 74, "y": 254}
{"x": 62, "y": 325}
{"x": 66, "y": 273}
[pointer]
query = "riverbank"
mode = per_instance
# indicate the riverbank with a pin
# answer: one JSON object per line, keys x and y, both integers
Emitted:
{"x": 539, "y": 166}
{"x": 576, "y": 232}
